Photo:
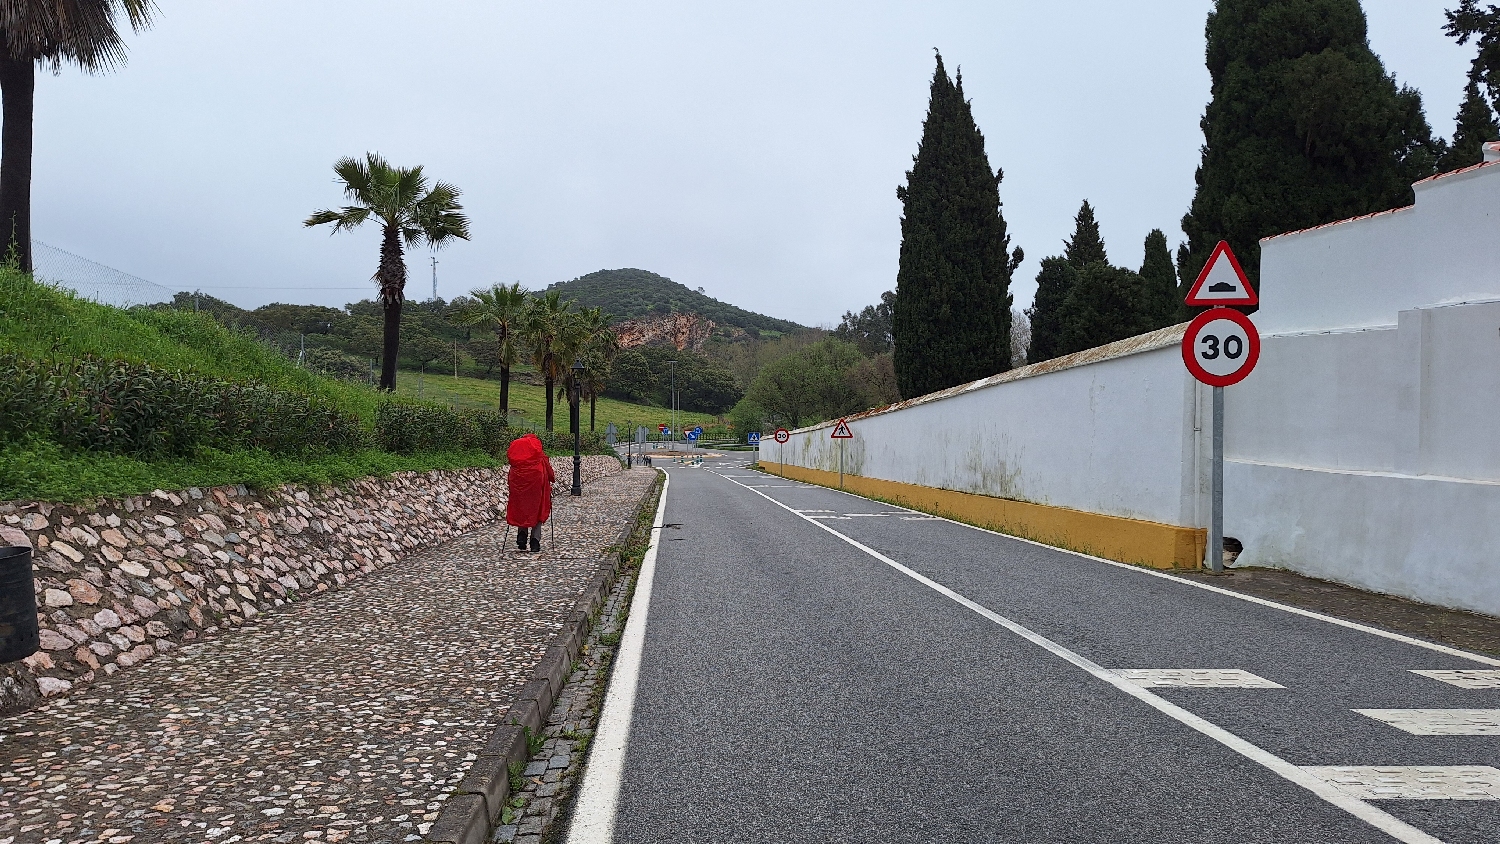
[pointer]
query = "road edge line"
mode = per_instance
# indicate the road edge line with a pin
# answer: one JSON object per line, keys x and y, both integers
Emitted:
{"x": 1254, "y": 599}
{"x": 598, "y": 795}
{"x": 1378, "y": 818}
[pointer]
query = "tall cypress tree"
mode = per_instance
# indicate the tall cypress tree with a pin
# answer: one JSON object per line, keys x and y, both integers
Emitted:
{"x": 1471, "y": 20}
{"x": 1305, "y": 127}
{"x": 1159, "y": 279}
{"x": 952, "y": 316}
{"x": 1474, "y": 125}
{"x": 1053, "y": 284}
{"x": 1106, "y": 304}
{"x": 1086, "y": 245}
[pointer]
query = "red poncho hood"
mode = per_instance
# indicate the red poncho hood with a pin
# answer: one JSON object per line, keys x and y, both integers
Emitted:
{"x": 530, "y": 480}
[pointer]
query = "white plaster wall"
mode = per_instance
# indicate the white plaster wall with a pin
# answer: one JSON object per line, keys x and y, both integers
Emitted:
{"x": 1365, "y": 448}
{"x": 1445, "y": 248}
{"x": 1429, "y": 539}
{"x": 1112, "y": 437}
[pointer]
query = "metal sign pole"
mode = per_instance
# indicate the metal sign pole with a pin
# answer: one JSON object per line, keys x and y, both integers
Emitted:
{"x": 841, "y": 464}
{"x": 1215, "y": 551}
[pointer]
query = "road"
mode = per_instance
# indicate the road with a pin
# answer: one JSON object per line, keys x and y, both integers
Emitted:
{"x": 816, "y": 666}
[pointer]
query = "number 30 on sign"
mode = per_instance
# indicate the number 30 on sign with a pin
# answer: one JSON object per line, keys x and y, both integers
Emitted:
{"x": 1220, "y": 347}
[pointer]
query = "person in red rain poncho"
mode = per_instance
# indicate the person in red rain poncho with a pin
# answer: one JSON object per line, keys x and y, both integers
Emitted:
{"x": 530, "y": 480}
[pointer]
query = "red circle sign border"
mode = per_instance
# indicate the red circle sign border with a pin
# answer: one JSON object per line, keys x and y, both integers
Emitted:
{"x": 1190, "y": 340}
{"x": 781, "y": 435}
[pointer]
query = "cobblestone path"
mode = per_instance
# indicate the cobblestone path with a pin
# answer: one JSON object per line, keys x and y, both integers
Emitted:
{"x": 349, "y": 717}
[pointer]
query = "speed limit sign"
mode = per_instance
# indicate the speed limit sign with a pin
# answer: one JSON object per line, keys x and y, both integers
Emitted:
{"x": 1220, "y": 347}
{"x": 782, "y": 435}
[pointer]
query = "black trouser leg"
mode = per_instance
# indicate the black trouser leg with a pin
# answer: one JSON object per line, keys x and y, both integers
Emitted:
{"x": 521, "y": 538}
{"x": 536, "y": 538}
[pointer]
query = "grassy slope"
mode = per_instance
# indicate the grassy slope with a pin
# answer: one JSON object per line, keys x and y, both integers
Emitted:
{"x": 38, "y": 321}
{"x": 530, "y": 402}
{"x": 630, "y": 293}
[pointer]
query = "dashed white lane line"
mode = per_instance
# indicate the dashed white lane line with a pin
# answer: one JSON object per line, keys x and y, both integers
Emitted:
{"x": 1465, "y": 678}
{"x": 598, "y": 796}
{"x": 1196, "y": 678}
{"x": 1412, "y": 782}
{"x": 1381, "y": 820}
{"x": 1439, "y": 722}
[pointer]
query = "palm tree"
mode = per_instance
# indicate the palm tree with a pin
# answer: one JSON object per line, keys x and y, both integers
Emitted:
{"x": 49, "y": 32}
{"x": 502, "y": 310}
{"x": 599, "y": 350}
{"x": 547, "y": 318}
{"x": 399, "y": 198}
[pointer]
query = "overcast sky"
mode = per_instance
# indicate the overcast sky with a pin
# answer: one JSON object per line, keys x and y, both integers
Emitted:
{"x": 752, "y": 149}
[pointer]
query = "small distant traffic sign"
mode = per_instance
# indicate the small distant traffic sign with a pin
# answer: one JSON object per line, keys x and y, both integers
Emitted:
{"x": 1221, "y": 347}
{"x": 698, "y": 430}
{"x": 1222, "y": 283}
{"x": 753, "y": 438}
{"x": 661, "y": 429}
{"x": 693, "y": 435}
{"x": 782, "y": 435}
{"x": 841, "y": 431}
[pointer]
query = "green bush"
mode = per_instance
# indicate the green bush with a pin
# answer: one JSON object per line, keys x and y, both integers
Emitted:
{"x": 118, "y": 407}
{"x": 413, "y": 428}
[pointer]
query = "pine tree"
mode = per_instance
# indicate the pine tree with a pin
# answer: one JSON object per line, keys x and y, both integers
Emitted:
{"x": 952, "y": 317}
{"x": 1086, "y": 246}
{"x": 1053, "y": 284}
{"x": 1106, "y": 304}
{"x": 1160, "y": 283}
{"x": 1474, "y": 125}
{"x": 1305, "y": 127}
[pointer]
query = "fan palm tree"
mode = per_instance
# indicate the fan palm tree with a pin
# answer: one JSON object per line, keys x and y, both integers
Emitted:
{"x": 47, "y": 32}
{"x": 408, "y": 212}
{"x": 548, "y": 317}
{"x": 502, "y": 310}
{"x": 599, "y": 350}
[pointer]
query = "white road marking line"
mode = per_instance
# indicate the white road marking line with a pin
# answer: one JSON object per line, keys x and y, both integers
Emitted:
{"x": 594, "y": 813}
{"x": 1381, "y": 820}
{"x": 1229, "y": 593}
{"x": 1465, "y": 678}
{"x": 1439, "y": 722}
{"x": 1412, "y": 782}
{"x": 1196, "y": 678}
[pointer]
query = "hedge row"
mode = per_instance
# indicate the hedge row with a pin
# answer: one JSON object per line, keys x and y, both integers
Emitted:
{"x": 118, "y": 407}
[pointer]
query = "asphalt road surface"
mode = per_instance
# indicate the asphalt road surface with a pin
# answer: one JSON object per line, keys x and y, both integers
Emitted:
{"x": 821, "y": 667}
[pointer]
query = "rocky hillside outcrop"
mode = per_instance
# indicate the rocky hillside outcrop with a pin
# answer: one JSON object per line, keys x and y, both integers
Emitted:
{"x": 680, "y": 331}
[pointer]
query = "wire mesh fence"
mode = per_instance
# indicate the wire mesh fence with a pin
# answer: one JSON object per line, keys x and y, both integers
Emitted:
{"x": 93, "y": 280}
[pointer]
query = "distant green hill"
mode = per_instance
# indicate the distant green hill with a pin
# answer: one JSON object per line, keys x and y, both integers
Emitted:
{"x": 632, "y": 294}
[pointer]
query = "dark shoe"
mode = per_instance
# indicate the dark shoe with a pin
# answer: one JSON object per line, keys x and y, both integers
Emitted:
{"x": 521, "y": 539}
{"x": 536, "y": 544}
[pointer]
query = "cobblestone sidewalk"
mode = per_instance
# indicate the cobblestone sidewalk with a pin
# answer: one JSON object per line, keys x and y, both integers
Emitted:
{"x": 346, "y": 718}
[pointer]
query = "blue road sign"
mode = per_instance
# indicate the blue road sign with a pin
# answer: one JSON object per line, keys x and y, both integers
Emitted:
{"x": 698, "y": 430}
{"x": 753, "y": 437}
{"x": 692, "y": 435}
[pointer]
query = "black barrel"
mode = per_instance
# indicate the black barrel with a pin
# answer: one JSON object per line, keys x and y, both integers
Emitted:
{"x": 18, "y": 623}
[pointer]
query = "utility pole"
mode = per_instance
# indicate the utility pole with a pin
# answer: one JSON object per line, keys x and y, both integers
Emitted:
{"x": 434, "y": 278}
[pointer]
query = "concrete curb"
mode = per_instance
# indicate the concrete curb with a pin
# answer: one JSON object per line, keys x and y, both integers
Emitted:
{"x": 472, "y": 814}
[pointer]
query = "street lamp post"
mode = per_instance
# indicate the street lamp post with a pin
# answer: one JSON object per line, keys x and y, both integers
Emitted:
{"x": 674, "y": 402}
{"x": 577, "y": 437}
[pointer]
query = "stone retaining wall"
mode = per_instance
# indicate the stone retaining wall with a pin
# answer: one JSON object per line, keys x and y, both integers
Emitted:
{"x": 123, "y": 580}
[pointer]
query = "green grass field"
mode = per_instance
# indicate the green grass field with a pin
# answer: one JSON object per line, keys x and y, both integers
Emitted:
{"x": 528, "y": 403}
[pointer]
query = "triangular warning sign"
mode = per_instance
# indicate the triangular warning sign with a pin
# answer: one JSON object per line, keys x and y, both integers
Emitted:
{"x": 841, "y": 431}
{"x": 1222, "y": 282}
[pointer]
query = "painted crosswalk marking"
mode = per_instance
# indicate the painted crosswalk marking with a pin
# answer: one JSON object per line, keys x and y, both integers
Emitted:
{"x": 1467, "y": 678}
{"x": 1196, "y": 678}
{"x": 1440, "y": 722}
{"x": 1412, "y": 782}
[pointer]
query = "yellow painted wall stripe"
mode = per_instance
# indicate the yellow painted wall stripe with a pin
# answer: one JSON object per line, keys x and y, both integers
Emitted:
{"x": 1153, "y": 544}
